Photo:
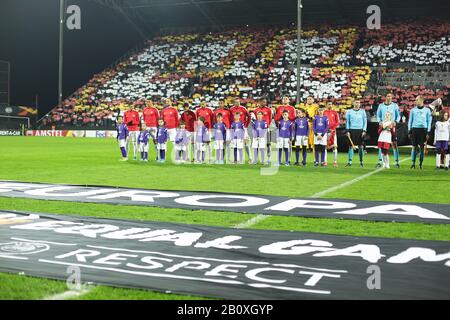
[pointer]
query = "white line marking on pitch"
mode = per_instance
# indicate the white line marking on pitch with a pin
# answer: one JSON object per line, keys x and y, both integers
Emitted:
{"x": 67, "y": 295}
{"x": 350, "y": 182}
{"x": 252, "y": 221}
{"x": 261, "y": 217}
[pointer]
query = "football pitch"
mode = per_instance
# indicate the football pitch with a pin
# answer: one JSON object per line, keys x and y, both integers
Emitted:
{"x": 88, "y": 161}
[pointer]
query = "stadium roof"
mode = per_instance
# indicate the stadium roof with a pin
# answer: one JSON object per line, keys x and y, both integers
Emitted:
{"x": 149, "y": 15}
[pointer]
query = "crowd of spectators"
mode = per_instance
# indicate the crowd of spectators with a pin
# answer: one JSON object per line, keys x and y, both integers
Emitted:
{"x": 257, "y": 63}
{"x": 421, "y": 43}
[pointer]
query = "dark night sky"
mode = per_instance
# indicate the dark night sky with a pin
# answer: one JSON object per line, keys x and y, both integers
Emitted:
{"x": 29, "y": 33}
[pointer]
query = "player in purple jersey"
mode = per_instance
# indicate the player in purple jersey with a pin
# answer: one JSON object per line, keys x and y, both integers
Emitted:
{"x": 301, "y": 134}
{"x": 259, "y": 135}
{"x": 320, "y": 130}
{"x": 161, "y": 140}
{"x": 284, "y": 137}
{"x": 237, "y": 138}
{"x": 220, "y": 135}
{"x": 201, "y": 139}
{"x": 122, "y": 137}
{"x": 143, "y": 142}
{"x": 181, "y": 143}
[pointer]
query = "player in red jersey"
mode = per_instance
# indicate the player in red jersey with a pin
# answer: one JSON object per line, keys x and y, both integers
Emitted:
{"x": 133, "y": 120}
{"x": 225, "y": 112}
{"x": 208, "y": 115}
{"x": 226, "y": 119}
{"x": 171, "y": 118}
{"x": 245, "y": 119}
{"x": 333, "y": 120}
{"x": 150, "y": 116}
{"x": 285, "y": 106}
{"x": 189, "y": 118}
{"x": 267, "y": 115}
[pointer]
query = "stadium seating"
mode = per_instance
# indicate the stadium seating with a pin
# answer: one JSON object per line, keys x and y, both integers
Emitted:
{"x": 255, "y": 63}
{"x": 420, "y": 43}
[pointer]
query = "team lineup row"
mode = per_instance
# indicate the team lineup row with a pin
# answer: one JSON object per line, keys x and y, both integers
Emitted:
{"x": 231, "y": 130}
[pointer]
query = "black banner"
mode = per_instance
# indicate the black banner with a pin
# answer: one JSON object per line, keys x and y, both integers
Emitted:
{"x": 260, "y": 204}
{"x": 10, "y": 133}
{"x": 222, "y": 262}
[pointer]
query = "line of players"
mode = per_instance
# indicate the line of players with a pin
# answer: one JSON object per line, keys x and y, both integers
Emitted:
{"x": 227, "y": 129}
{"x": 192, "y": 133}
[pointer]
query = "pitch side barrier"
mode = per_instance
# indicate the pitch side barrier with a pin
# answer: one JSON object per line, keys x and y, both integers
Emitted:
{"x": 370, "y": 140}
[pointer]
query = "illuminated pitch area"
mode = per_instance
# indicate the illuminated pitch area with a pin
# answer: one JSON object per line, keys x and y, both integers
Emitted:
{"x": 95, "y": 161}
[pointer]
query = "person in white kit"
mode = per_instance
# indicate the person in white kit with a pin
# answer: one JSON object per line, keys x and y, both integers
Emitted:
{"x": 441, "y": 140}
{"x": 386, "y": 130}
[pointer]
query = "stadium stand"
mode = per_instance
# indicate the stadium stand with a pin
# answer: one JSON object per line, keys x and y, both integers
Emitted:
{"x": 253, "y": 63}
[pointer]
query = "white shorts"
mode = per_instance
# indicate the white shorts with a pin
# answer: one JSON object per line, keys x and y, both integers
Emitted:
{"x": 283, "y": 143}
{"x": 237, "y": 143}
{"x": 134, "y": 137}
{"x": 161, "y": 146}
{"x": 122, "y": 143}
{"x": 172, "y": 133}
{"x": 301, "y": 140}
{"x": 200, "y": 146}
{"x": 180, "y": 147}
{"x": 219, "y": 144}
{"x": 260, "y": 143}
{"x": 323, "y": 141}
{"x": 152, "y": 132}
{"x": 228, "y": 135}
{"x": 143, "y": 147}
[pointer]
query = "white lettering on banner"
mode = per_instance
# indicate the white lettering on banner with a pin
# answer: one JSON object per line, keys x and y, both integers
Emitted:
{"x": 89, "y": 231}
{"x": 12, "y": 217}
{"x": 221, "y": 243}
{"x": 253, "y": 274}
{"x": 183, "y": 239}
{"x": 136, "y": 233}
{"x": 214, "y": 270}
{"x": 80, "y": 254}
{"x": 137, "y": 195}
{"x": 48, "y": 133}
{"x": 80, "y": 193}
{"x": 289, "y": 205}
{"x": 151, "y": 264}
{"x": 196, "y": 201}
{"x": 217, "y": 271}
{"x": 424, "y": 254}
{"x": 319, "y": 248}
{"x": 192, "y": 265}
{"x": 49, "y": 192}
{"x": 316, "y": 277}
{"x": 45, "y": 225}
{"x": 292, "y": 247}
{"x": 115, "y": 259}
{"x": 397, "y": 209}
{"x": 368, "y": 252}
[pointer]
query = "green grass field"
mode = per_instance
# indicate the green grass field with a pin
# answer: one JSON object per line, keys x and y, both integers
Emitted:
{"x": 95, "y": 161}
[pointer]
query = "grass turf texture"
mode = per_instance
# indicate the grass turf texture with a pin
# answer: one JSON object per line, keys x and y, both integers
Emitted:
{"x": 95, "y": 161}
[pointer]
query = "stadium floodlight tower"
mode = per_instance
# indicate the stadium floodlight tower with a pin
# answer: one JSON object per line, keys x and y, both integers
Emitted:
{"x": 299, "y": 47}
{"x": 61, "y": 48}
